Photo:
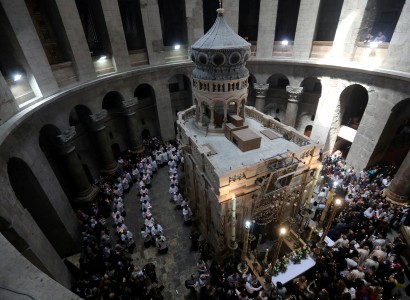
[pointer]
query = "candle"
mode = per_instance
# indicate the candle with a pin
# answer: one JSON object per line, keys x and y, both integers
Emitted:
{"x": 233, "y": 225}
{"x": 266, "y": 255}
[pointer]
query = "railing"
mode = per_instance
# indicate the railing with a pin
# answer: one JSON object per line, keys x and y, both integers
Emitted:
{"x": 64, "y": 73}
{"x": 287, "y": 132}
{"x": 172, "y": 54}
{"x": 218, "y": 87}
{"x": 279, "y": 49}
{"x": 370, "y": 53}
{"x": 321, "y": 49}
{"x": 138, "y": 57}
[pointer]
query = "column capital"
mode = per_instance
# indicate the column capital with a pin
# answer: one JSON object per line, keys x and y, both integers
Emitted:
{"x": 130, "y": 106}
{"x": 261, "y": 89}
{"x": 97, "y": 120}
{"x": 65, "y": 139}
{"x": 294, "y": 93}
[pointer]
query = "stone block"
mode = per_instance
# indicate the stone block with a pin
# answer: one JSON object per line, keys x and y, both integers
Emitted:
{"x": 246, "y": 139}
{"x": 235, "y": 120}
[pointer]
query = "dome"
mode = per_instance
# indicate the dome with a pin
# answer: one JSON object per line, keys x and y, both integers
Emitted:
{"x": 220, "y": 54}
{"x": 220, "y": 36}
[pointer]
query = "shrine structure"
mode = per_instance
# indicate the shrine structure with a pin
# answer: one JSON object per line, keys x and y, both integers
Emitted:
{"x": 240, "y": 164}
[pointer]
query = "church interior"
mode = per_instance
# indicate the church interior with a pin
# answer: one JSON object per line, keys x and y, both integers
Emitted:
{"x": 204, "y": 149}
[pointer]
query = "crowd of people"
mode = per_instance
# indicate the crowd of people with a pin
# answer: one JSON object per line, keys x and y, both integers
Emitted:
{"x": 106, "y": 265}
{"x": 362, "y": 263}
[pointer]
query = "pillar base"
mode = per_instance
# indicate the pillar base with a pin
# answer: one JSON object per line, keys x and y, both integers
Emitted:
{"x": 396, "y": 199}
{"x": 109, "y": 170}
{"x": 87, "y": 196}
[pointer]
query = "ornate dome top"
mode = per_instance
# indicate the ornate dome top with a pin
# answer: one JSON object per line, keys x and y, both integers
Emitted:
{"x": 220, "y": 36}
{"x": 220, "y": 54}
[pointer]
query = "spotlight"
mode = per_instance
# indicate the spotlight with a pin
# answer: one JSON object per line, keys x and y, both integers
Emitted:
{"x": 177, "y": 47}
{"x": 285, "y": 42}
{"x": 102, "y": 57}
{"x": 17, "y": 77}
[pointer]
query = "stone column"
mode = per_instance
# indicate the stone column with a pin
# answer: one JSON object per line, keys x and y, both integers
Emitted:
{"x": 194, "y": 20}
{"x": 231, "y": 13}
{"x": 399, "y": 189}
{"x": 85, "y": 192}
{"x": 26, "y": 35}
{"x": 371, "y": 128}
{"x": 306, "y": 28}
{"x": 352, "y": 26}
{"x": 134, "y": 131}
{"x": 79, "y": 52}
{"x": 261, "y": 90}
{"x": 225, "y": 120}
{"x": 266, "y": 30}
{"x": 292, "y": 108}
{"x": 164, "y": 108}
{"x": 212, "y": 119}
{"x": 201, "y": 114}
{"x": 116, "y": 35}
{"x": 397, "y": 57}
{"x": 153, "y": 31}
{"x": 326, "y": 110}
{"x": 108, "y": 163}
{"x": 8, "y": 105}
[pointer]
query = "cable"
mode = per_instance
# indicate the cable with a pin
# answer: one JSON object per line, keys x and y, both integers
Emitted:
{"x": 13, "y": 291}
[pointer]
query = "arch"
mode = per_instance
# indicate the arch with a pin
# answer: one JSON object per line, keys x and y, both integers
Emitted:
{"x": 32, "y": 197}
{"x": 311, "y": 85}
{"x": 79, "y": 115}
{"x": 352, "y": 104}
{"x": 278, "y": 81}
{"x": 147, "y": 112}
{"x": 251, "y": 79}
{"x": 144, "y": 91}
{"x": 112, "y": 101}
{"x": 48, "y": 138}
{"x": 48, "y": 143}
{"x": 251, "y": 90}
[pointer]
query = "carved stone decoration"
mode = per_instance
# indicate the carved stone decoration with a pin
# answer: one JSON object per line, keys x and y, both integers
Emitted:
{"x": 268, "y": 208}
{"x": 237, "y": 177}
{"x": 67, "y": 135}
{"x": 261, "y": 89}
{"x": 294, "y": 93}
{"x": 99, "y": 116}
{"x": 130, "y": 105}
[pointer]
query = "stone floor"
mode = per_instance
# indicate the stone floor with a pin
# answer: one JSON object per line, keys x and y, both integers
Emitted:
{"x": 176, "y": 266}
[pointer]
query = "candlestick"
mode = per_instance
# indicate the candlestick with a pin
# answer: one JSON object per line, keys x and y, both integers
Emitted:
{"x": 258, "y": 244}
{"x": 312, "y": 187}
{"x": 233, "y": 245}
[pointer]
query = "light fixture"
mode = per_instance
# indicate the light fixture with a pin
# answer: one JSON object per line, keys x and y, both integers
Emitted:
{"x": 335, "y": 184}
{"x": 248, "y": 224}
{"x": 282, "y": 231}
{"x": 17, "y": 77}
{"x": 102, "y": 57}
{"x": 285, "y": 42}
{"x": 338, "y": 202}
{"x": 177, "y": 47}
{"x": 374, "y": 45}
